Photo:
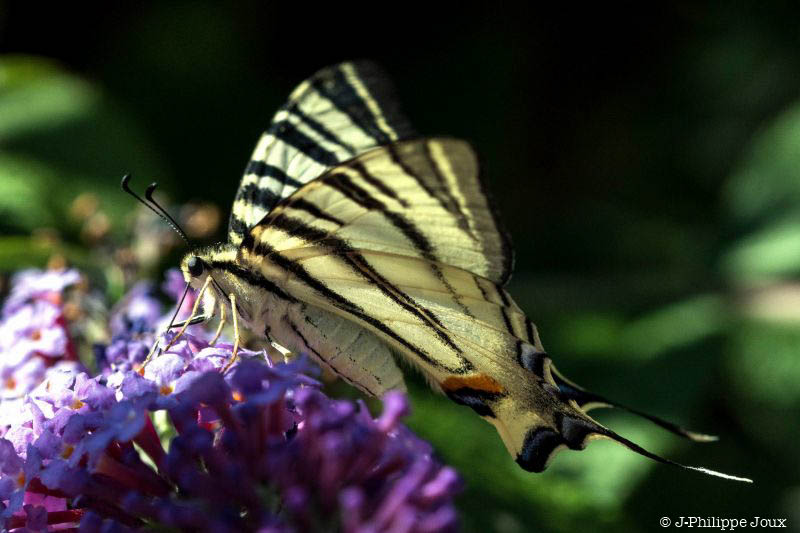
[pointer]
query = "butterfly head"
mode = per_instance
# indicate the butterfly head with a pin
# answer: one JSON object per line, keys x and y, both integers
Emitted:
{"x": 196, "y": 267}
{"x": 201, "y": 263}
{"x": 219, "y": 263}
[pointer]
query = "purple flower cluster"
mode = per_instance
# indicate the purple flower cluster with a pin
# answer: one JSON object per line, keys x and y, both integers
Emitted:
{"x": 178, "y": 445}
{"x": 34, "y": 338}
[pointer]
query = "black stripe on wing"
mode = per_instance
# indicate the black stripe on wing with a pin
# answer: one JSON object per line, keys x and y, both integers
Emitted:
{"x": 340, "y": 248}
{"x": 312, "y": 209}
{"x": 263, "y": 170}
{"x": 346, "y": 186}
{"x": 376, "y": 183}
{"x": 342, "y": 303}
{"x": 359, "y": 90}
{"x": 447, "y": 199}
{"x": 320, "y": 129}
{"x": 427, "y": 172}
{"x": 334, "y": 85}
{"x": 253, "y": 194}
{"x": 291, "y": 135}
{"x": 237, "y": 226}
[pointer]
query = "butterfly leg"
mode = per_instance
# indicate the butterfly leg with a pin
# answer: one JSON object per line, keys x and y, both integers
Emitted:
{"x": 221, "y": 325}
{"x": 186, "y": 323}
{"x": 235, "y": 320}
{"x": 285, "y": 352}
{"x": 199, "y": 319}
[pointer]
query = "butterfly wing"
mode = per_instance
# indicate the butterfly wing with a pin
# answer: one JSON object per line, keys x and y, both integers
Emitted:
{"x": 481, "y": 350}
{"x": 338, "y": 113}
{"x": 420, "y": 198}
{"x": 402, "y": 242}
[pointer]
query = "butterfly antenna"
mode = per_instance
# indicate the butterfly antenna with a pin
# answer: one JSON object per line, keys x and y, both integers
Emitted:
{"x": 148, "y": 193}
{"x": 158, "y": 210}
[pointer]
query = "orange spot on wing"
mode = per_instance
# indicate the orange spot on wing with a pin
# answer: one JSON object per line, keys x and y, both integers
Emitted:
{"x": 480, "y": 382}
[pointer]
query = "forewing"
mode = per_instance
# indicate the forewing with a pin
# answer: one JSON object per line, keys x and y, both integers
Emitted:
{"x": 420, "y": 198}
{"x": 338, "y": 113}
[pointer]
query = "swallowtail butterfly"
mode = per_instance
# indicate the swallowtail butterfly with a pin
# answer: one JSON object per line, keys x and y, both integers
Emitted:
{"x": 356, "y": 241}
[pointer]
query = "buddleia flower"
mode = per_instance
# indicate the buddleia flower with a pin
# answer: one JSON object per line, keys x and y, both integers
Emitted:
{"x": 178, "y": 444}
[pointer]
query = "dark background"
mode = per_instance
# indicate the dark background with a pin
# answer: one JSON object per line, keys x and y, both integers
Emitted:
{"x": 642, "y": 157}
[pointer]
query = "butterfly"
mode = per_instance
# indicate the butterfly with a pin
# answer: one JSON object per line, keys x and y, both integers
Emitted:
{"x": 360, "y": 243}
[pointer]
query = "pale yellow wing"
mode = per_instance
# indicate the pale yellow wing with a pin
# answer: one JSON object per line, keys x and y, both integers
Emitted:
{"x": 342, "y": 346}
{"x": 420, "y": 198}
{"x": 456, "y": 321}
{"x": 402, "y": 242}
{"x": 482, "y": 352}
{"x": 338, "y": 113}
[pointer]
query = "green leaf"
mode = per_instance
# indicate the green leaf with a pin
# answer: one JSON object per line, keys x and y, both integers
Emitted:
{"x": 764, "y": 363}
{"x": 19, "y": 252}
{"x": 24, "y": 193}
{"x": 35, "y": 95}
{"x": 771, "y": 253}
{"x": 762, "y": 196}
{"x": 674, "y": 326}
{"x": 767, "y": 179}
{"x": 61, "y": 136}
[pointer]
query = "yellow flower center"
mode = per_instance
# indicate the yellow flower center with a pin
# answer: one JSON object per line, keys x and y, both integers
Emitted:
{"x": 66, "y": 453}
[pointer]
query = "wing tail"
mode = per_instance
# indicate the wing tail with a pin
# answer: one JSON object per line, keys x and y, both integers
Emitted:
{"x": 587, "y": 400}
{"x": 641, "y": 451}
{"x": 534, "y": 439}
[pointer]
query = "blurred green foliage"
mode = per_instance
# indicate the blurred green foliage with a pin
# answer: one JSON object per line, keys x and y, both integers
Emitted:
{"x": 59, "y": 137}
{"x": 656, "y": 211}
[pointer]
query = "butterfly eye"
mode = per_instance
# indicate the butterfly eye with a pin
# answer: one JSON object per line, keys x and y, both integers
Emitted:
{"x": 195, "y": 266}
